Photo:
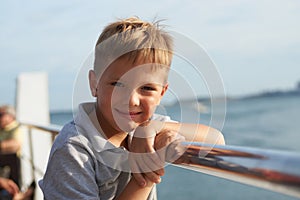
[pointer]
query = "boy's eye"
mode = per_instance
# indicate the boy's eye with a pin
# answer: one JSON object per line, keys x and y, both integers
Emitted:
{"x": 148, "y": 88}
{"x": 118, "y": 84}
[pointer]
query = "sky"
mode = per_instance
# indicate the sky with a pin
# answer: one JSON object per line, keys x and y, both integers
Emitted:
{"x": 254, "y": 44}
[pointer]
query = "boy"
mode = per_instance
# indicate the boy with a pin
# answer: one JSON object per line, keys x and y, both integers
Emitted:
{"x": 89, "y": 158}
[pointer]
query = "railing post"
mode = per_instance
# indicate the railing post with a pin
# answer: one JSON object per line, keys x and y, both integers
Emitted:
{"x": 52, "y": 137}
{"x": 31, "y": 151}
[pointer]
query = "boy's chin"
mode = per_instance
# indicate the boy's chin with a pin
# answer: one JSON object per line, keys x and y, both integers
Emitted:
{"x": 129, "y": 127}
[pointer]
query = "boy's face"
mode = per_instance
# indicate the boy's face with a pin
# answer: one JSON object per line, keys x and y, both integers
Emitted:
{"x": 127, "y": 94}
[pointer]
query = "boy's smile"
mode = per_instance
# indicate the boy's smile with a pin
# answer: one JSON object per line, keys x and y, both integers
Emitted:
{"x": 127, "y": 94}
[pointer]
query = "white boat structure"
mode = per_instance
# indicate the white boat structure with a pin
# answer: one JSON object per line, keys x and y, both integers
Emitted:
{"x": 277, "y": 171}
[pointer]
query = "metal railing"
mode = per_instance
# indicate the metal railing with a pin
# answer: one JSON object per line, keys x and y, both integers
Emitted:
{"x": 277, "y": 171}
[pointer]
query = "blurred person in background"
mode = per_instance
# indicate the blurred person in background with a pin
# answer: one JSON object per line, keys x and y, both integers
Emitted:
{"x": 10, "y": 144}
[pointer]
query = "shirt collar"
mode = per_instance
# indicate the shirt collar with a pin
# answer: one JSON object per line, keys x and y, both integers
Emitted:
{"x": 87, "y": 124}
{"x": 11, "y": 125}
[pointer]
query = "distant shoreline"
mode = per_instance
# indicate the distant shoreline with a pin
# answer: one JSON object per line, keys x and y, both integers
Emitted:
{"x": 266, "y": 94}
{"x": 277, "y": 93}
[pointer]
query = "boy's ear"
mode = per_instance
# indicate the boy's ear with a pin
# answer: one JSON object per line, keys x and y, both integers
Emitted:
{"x": 93, "y": 83}
{"x": 165, "y": 88}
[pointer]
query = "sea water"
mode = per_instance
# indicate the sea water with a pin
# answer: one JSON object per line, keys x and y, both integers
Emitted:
{"x": 264, "y": 122}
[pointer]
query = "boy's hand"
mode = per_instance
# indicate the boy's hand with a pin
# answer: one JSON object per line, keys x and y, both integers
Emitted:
{"x": 149, "y": 151}
{"x": 168, "y": 144}
{"x": 144, "y": 161}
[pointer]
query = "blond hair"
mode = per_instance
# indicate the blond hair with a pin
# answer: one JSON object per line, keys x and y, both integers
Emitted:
{"x": 135, "y": 39}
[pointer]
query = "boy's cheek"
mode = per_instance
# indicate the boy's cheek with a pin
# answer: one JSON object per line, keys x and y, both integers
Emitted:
{"x": 152, "y": 105}
{"x": 155, "y": 100}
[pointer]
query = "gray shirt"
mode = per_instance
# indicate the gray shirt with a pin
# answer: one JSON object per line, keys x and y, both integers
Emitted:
{"x": 83, "y": 164}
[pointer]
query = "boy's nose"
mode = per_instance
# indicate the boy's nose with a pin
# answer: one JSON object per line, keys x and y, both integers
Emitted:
{"x": 134, "y": 99}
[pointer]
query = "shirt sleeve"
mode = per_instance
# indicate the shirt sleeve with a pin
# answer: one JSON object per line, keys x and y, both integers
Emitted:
{"x": 70, "y": 175}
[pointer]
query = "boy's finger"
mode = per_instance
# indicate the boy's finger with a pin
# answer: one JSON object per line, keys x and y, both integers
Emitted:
{"x": 139, "y": 179}
{"x": 152, "y": 176}
{"x": 164, "y": 138}
{"x": 160, "y": 172}
{"x": 154, "y": 167}
{"x": 174, "y": 151}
